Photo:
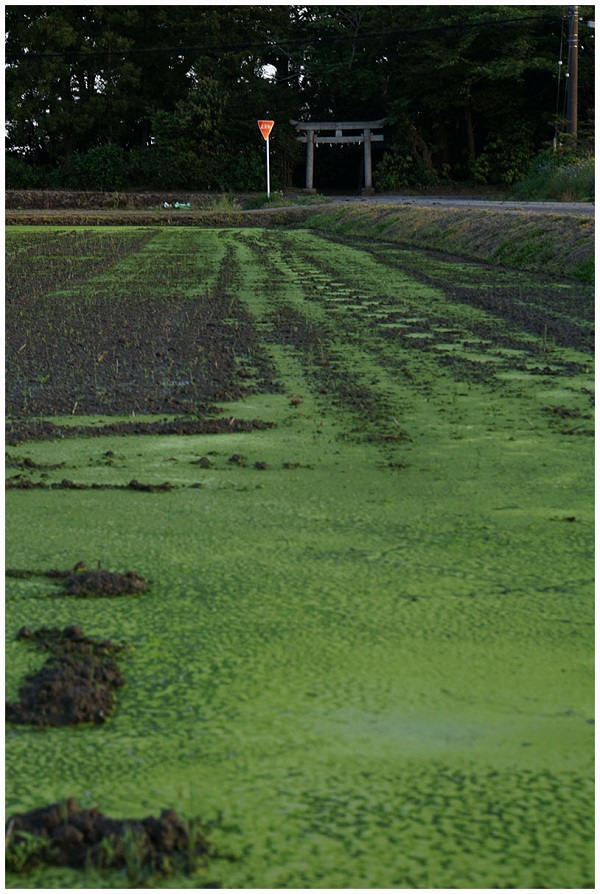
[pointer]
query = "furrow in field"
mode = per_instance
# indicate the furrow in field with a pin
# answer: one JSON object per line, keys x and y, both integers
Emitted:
{"x": 523, "y": 302}
{"x": 345, "y": 378}
{"x": 404, "y": 339}
{"x": 532, "y": 316}
{"x": 62, "y": 261}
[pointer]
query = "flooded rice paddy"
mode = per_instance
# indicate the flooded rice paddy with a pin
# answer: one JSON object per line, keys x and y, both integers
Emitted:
{"x": 365, "y": 656}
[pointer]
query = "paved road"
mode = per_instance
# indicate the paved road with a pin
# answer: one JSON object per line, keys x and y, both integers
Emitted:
{"x": 583, "y": 209}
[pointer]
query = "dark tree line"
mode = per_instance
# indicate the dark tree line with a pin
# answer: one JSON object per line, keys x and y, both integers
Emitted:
{"x": 109, "y": 97}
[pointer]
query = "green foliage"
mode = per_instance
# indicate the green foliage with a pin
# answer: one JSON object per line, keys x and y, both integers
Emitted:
{"x": 278, "y": 199}
{"x": 152, "y": 168}
{"x": 22, "y": 849}
{"x": 475, "y": 85}
{"x": 194, "y": 125}
{"x": 133, "y": 854}
{"x": 505, "y": 157}
{"x": 403, "y": 165}
{"x": 101, "y": 168}
{"x": 109, "y": 168}
{"x": 22, "y": 173}
{"x": 574, "y": 182}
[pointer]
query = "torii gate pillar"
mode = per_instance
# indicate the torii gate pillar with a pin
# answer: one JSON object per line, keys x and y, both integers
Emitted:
{"x": 310, "y": 161}
{"x": 319, "y": 132}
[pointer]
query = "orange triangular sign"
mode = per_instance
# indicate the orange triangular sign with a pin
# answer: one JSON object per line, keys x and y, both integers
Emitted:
{"x": 266, "y": 128}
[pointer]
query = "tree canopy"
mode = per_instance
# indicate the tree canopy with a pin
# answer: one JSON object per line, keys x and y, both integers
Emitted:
{"x": 169, "y": 96}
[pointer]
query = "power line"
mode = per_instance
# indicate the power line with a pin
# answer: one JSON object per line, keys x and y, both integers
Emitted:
{"x": 274, "y": 43}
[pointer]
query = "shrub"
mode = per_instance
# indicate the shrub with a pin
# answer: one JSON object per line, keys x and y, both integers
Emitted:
{"x": 101, "y": 168}
{"x": 406, "y": 164}
{"x": 21, "y": 173}
{"x": 151, "y": 168}
{"x": 505, "y": 158}
{"x": 112, "y": 169}
{"x": 400, "y": 169}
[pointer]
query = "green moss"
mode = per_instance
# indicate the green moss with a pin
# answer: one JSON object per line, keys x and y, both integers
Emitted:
{"x": 369, "y": 664}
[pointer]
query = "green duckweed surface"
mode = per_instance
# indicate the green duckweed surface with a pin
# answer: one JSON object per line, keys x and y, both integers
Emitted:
{"x": 369, "y": 663}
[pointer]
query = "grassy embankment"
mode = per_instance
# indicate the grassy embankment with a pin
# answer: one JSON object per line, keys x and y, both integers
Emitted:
{"x": 548, "y": 243}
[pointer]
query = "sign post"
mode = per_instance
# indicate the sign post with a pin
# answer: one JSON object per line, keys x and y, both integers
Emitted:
{"x": 265, "y": 129}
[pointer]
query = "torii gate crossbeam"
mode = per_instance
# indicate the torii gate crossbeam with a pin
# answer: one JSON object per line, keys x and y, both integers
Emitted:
{"x": 316, "y": 132}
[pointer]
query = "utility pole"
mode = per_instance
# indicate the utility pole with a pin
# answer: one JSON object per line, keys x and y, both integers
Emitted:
{"x": 572, "y": 70}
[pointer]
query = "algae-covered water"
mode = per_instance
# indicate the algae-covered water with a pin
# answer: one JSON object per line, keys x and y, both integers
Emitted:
{"x": 369, "y": 663}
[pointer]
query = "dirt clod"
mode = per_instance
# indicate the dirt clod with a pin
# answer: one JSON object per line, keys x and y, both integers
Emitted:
{"x": 67, "y": 690}
{"x": 75, "y": 685}
{"x": 104, "y": 583}
{"x": 71, "y": 640}
{"x": 150, "y": 488}
{"x": 65, "y": 835}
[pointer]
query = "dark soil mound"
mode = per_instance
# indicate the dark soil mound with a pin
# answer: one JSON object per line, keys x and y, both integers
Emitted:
{"x": 77, "y": 581}
{"x": 70, "y": 641}
{"x": 67, "y": 690}
{"x": 76, "y": 684}
{"x": 104, "y": 583}
{"x": 63, "y": 835}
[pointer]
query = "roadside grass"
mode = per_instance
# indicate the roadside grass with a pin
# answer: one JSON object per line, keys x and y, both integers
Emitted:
{"x": 279, "y": 199}
{"x": 574, "y": 182}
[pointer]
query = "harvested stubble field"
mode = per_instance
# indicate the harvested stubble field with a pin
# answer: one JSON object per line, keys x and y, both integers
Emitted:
{"x": 357, "y": 478}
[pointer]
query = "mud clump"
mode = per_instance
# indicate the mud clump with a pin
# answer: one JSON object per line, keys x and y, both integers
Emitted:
{"x": 61, "y": 834}
{"x": 78, "y": 581}
{"x": 69, "y": 641}
{"x": 67, "y": 690}
{"x": 149, "y": 488}
{"x": 76, "y": 684}
{"x": 104, "y": 583}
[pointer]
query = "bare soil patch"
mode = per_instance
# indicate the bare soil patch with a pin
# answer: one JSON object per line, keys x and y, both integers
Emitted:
{"x": 146, "y": 354}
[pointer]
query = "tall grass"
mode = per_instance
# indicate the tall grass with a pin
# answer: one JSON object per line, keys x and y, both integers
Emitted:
{"x": 550, "y": 178}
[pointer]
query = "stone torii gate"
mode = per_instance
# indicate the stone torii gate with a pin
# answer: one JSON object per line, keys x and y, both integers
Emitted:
{"x": 316, "y": 132}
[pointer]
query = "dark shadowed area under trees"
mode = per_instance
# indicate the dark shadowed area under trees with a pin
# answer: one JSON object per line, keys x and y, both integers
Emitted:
{"x": 168, "y": 97}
